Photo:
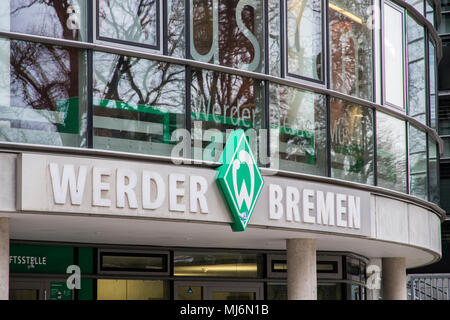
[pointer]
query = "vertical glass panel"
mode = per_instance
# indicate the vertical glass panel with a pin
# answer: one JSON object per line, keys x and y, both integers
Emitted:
{"x": 304, "y": 38}
{"x": 230, "y": 33}
{"x": 418, "y": 179}
{"x": 176, "y": 42}
{"x": 221, "y": 103}
{"x": 211, "y": 264}
{"x": 433, "y": 87}
{"x": 59, "y": 19}
{"x": 416, "y": 70}
{"x": 351, "y": 142}
{"x": 444, "y": 65}
{"x": 137, "y": 103}
{"x": 434, "y": 170}
{"x": 351, "y": 47}
{"x": 298, "y": 137}
{"x": 113, "y": 289}
{"x": 391, "y": 152}
{"x": 444, "y": 187}
{"x": 429, "y": 12}
{"x": 444, "y": 116}
{"x": 393, "y": 56}
{"x": 43, "y": 94}
{"x": 417, "y": 4}
{"x": 274, "y": 42}
{"x": 129, "y": 21}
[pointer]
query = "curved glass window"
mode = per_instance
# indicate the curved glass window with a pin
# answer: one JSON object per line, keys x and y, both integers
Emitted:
{"x": 351, "y": 142}
{"x": 351, "y": 47}
{"x": 391, "y": 152}
{"x": 418, "y": 178}
{"x": 59, "y": 19}
{"x": 220, "y": 103}
{"x": 137, "y": 104}
{"x": 416, "y": 70}
{"x": 304, "y": 38}
{"x": 298, "y": 130}
{"x": 42, "y": 89}
{"x": 394, "y": 87}
{"x": 230, "y": 33}
{"x": 129, "y": 21}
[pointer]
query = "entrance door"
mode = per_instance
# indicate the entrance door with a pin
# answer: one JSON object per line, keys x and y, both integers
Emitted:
{"x": 27, "y": 290}
{"x": 39, "y": 289}
{"x": 186, "y": 290}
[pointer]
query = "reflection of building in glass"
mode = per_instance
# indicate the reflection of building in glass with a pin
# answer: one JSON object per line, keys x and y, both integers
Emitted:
{"x": 114, "y": 115}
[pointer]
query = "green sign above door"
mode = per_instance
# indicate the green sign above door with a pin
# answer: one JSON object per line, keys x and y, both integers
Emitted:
{"x": 239, "y": 179}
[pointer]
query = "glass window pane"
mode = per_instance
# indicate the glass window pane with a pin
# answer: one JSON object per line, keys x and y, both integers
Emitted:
{"x": 329, "y": 291}
{"x": 351, "y": 142}
{"x": 433, "y": 87}
{"x": 393, "y": 56}
{"x": 274, "y": 42}
{"x": 134, "y": 262}
{"x": 351, "y": 47}
{"x": 429, "y": 12}
{"x": 433, "y": 167}
{"x": 221, "y": 103}
{"x": 129, "y": 21}
{"x": 59, "y": 19}
{"x": 277, "y": 291}
{"x": 444, "y": 27}
{"x": 416, "y": 70}
{"x": 417, "y": 4}
{"x": 391, "y": 152}
{"x": 42, "y": 94}
{"x": 418, "y": 178}
{"x": 230, "y": 33}
{"x": 114, "y": 289}
{"x": 304, "y": 38}
{"x": 138, "y": 104}
{"x": 298, "y": 130}
{"x": 176, "y": 41}
{"x": 202, "y": 264}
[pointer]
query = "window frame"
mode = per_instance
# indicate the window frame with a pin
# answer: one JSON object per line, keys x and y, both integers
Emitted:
{"x": 325, "y": 47}
{"x": 125, "y": 43}
{"x": 384, "y": 99}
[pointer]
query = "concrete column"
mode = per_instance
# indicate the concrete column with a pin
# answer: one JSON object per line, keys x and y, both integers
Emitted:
{"x": 301, "y": 269}
{"x": 394, "y": 278}
{"x": 4, "y": 259}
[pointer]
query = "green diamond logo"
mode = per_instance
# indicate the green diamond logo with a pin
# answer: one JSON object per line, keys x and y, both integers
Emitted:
{"x": 239, "y": 179}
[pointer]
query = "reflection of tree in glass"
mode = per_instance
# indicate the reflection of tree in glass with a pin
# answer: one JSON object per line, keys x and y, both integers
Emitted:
{"x": 44, "y": 17}
{"x": 129, "y": 20}
{"x": 139, "y": 81}
{"x": 233, "y": 45}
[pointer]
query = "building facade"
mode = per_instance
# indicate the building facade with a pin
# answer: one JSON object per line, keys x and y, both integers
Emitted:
{"x": 115, "y": 127}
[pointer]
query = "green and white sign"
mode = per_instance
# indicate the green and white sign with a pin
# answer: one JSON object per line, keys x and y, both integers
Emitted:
{"x": 239, "y": 179}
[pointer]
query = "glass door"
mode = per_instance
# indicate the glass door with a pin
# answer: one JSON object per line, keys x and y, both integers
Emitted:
{"x": 187, "y": 290}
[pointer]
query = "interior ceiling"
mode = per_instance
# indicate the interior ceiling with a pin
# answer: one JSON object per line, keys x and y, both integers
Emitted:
{"x": 146, "y": 232}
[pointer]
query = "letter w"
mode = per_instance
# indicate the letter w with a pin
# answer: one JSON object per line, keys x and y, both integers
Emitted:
{"x": 76, "y": 185}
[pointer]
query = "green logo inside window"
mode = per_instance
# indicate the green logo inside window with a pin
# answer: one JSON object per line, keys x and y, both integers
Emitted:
{"x": 239, "y": 179}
